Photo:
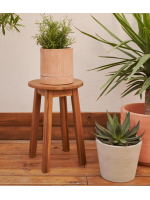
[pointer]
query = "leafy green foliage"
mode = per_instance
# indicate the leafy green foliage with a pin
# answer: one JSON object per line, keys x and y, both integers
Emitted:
{"x": 135, "y": 70}
{"x": 118, "y": 135}
{"x": 9, "y": 21}
{"x": 54, "y": 34}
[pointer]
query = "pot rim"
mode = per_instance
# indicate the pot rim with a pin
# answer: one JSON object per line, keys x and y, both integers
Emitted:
{"x": 112, "y": 146}
{"x": 66, "y": 48}
{"x": 133, "y": 113}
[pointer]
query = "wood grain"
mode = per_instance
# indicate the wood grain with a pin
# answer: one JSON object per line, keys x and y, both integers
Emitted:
{"x": 87, "y": 133}
{"x": 47, "y": 131}
{"x": 16, "y": 168}
{"x": 45, "y": 180}
{"x": 21, "y": 147}
{"x": 35, "y": 124}
{"x": 78, "y": 127}
{"x": 24, "y": 119}
{"x": 21, "y": 132}
{"x": 36, "y": 84}
{"x": 99, "y": 181}
{"x": 61, "y": 93}
{"x": 64, "y": 123}
{"x": 41, "y": 92}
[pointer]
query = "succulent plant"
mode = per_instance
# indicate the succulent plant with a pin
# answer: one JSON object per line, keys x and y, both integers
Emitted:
{"x": 118, "y": 135}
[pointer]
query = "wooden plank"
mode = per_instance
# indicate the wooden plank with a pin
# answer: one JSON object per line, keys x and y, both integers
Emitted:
{"x": 66, "y": 165}
{"x": 23, "y": 161}
{"x": 143, "y": 170}
{"x": 93, "y": 168}
{"x": 11, "y": 147}
{"x": 23, "y": 132}
{"x": 18, "y": 132}
{"x": 42, "y": 180}
{"x": 41, "y": 92}
{"x": 99, "y": 181}
{"x": 87, "y": 133}
{"x": 16, "y": 168}
{"x": 24, "y": 119}
{"x": 47, "y": 130}
{"x": 62, "y": 93}
{"x": 78, "y": 127}
{"x": 37, "y": 84}
{"x": 64, "y": 123}
{"x": 17, "y": 119}
{"x": 35, "y": 124}
{"x": 54, "y": 171}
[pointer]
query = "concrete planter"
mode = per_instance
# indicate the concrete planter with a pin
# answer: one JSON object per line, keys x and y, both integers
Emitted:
{"x": 117, "y": 163}
{"x": 56, "y": 66}
{"x": 136, "y": 114}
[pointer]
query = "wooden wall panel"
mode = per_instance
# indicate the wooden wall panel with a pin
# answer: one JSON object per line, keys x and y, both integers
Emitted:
{"x": 17, "y": 126}
{"x": 18, "y": 132}
{"x": 24, "y": 119}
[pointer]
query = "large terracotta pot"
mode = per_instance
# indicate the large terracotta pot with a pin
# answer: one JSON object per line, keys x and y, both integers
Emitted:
{"x": 136, "y": 114}
{"x": 118, "y": 163}
{"x": 56, "y": 66}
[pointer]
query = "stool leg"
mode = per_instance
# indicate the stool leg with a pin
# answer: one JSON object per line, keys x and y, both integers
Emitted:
{"x": 78, "y": 127}
{"x": 47, "y": 131}
{"x": 35, "y": 124}
{"x": 64, "y": 124}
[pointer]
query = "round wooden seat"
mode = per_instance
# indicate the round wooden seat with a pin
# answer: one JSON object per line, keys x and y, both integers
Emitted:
{"x": 36, "y": 84}
{"x": 61, "y": 91}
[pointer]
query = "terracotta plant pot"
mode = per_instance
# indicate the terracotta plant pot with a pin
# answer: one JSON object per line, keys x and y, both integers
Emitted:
{"x": 136, "y": 114}
{"x": 118, "y": 163}
{"x": 56, "y": 66}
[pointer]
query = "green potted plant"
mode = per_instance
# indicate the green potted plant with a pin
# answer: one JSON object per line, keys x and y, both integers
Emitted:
{"x": 134, "y": 69}
{"x": 56, "y": 58}
{"x": 118, "y": 149}
{"x": 9, "y": 21}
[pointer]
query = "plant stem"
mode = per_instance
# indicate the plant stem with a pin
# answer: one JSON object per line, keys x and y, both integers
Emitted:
{"x": 147, "y": 107}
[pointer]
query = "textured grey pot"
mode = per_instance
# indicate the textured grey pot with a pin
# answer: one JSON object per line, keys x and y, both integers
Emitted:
{"x": 118, "y": 163}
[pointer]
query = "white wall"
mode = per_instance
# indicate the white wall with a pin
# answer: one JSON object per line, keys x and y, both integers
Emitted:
{"x": 20, "y": 63}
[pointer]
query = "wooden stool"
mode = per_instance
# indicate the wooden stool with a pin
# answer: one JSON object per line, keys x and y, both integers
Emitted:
{"x": 61, "y": 91}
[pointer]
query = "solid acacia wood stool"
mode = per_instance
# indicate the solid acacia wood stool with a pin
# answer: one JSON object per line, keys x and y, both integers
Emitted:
{"x": 61, "y": 91}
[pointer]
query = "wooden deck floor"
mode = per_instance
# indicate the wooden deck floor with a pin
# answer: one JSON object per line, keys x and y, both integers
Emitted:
{"x": 16, "y": 168}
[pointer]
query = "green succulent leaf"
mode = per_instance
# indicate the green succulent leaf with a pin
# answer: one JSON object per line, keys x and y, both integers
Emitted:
{"x": 126, "y": 124}
{"x": 133, "y": 131}
{"x": 101, "y": 135}
{"x": 110, "y": 119}
{"x": 134, "y": 138}
{"x": 110, "y": 127}
{"x": 118, "y": 131}
{"x": 117, "y": 134}
{"x": 123, "y": 141}
{"x": 104, "y": 131}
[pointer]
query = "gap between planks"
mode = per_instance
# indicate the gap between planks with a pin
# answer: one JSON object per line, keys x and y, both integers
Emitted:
{"x": 16, "y": 168}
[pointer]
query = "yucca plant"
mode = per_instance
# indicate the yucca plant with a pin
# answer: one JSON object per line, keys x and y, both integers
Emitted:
{"x": 136, "y": 68}
{"x": 115, "y": 134}
{"x": 9, "y": 21}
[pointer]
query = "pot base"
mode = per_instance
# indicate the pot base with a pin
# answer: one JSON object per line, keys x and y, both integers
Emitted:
{"x": 145, "y": 164}
{"x": 56, "y": 80}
